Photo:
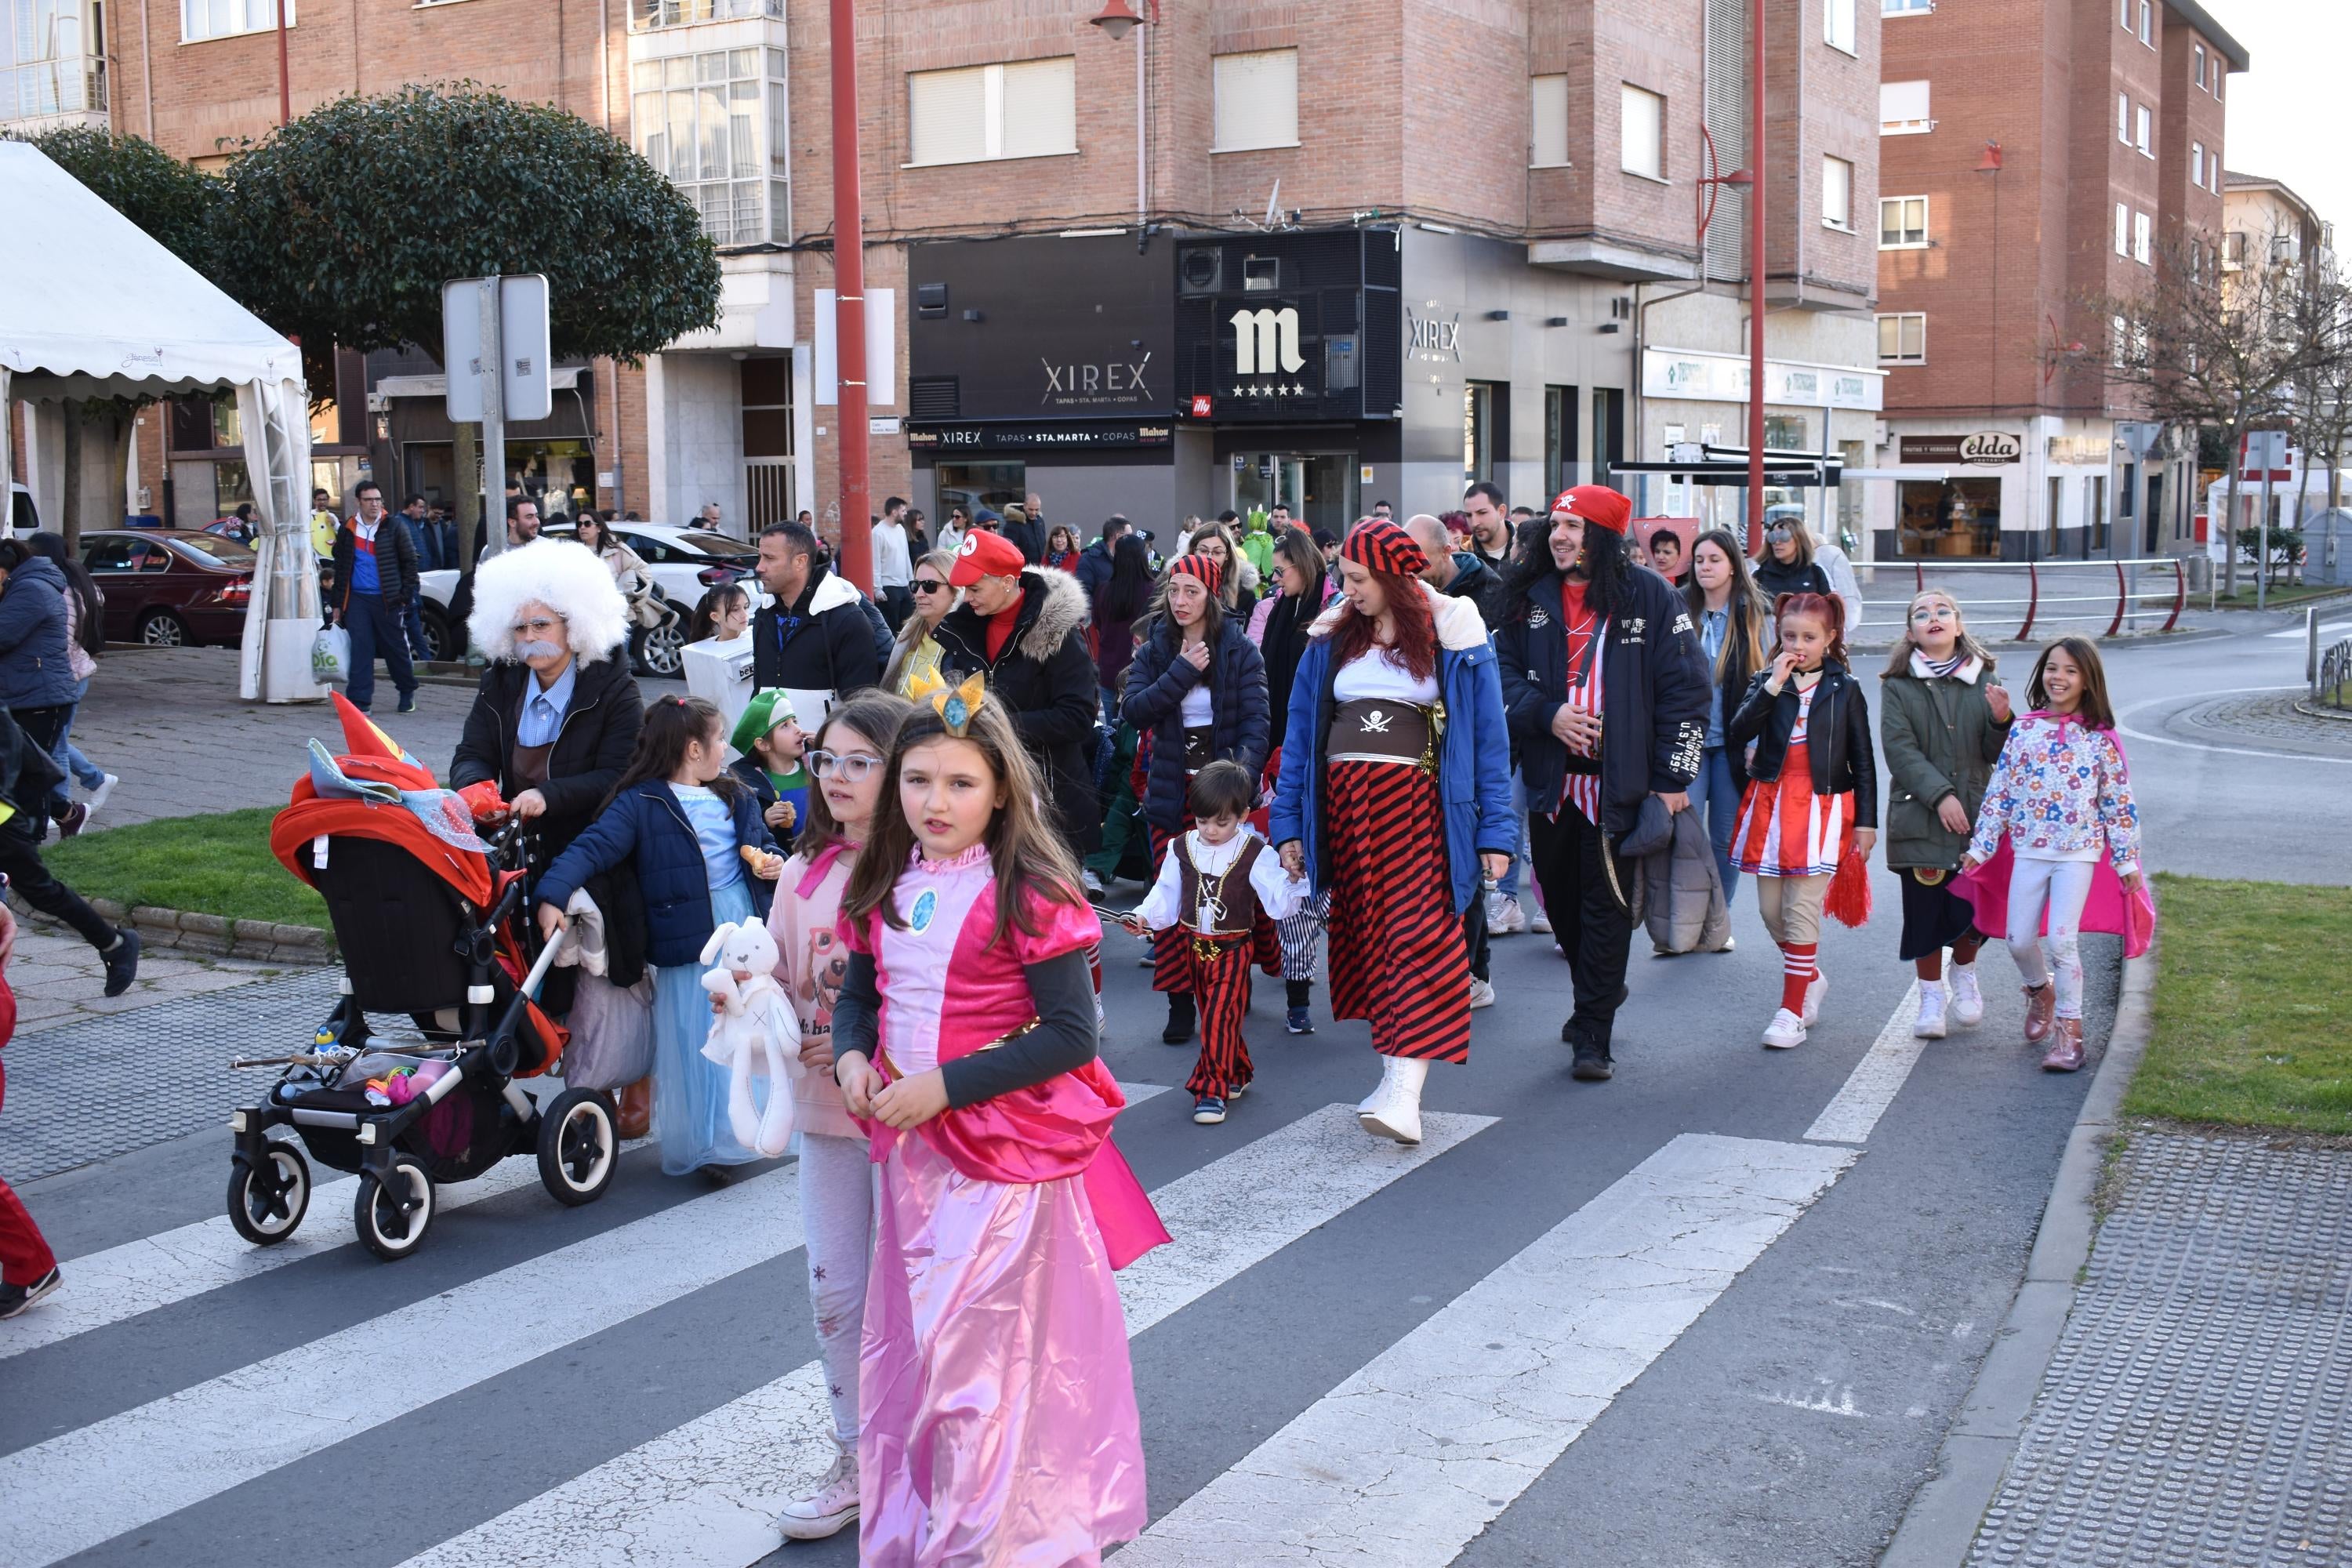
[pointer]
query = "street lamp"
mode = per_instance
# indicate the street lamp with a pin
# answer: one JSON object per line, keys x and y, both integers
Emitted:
{"x": 1118, "y": 19}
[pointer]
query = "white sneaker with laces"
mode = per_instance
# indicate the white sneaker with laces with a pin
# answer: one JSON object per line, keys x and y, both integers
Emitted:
{"x": 97, "y": 797}
{"x": 1968, "y": 1001}
{"x": 1093, "y": 883}
{"x": 1482, "y": 994}
{"x": 1786, "y": 1031}
{"x": 828, "y": 1510}
{"x": 1504, "y": 915}
{"x": 1538, "y": 922}
{"x": 1815, "y": 990}
{"x": 1394, "y": 1109}
{"x": 1930, "y": 1024}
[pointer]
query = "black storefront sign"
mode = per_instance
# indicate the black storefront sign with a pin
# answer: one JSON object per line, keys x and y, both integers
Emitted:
{"x": 1288, "y": 328}
{"x": 1041, "y": 435}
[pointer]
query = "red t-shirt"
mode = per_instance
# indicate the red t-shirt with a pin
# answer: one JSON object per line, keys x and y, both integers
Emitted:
{"x": 1580, "y": 626}
{"x": 1000, "y": 625}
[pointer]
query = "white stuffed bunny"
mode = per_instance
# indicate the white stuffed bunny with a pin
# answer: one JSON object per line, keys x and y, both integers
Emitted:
{"x": 754, "y": 1018}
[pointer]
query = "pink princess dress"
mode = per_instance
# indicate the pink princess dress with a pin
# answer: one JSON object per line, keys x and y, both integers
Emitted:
{"x": 997, "y": 1407}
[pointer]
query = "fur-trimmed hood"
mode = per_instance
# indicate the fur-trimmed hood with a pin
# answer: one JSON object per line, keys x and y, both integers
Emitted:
{"x": 1053, "y": 606}
{"x": 1460, "y": 627}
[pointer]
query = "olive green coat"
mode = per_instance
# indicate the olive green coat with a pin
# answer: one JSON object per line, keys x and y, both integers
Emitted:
{"x": 1940, "y": 738}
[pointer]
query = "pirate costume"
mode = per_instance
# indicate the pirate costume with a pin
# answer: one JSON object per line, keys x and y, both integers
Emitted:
{"x": 1207, "y": 905}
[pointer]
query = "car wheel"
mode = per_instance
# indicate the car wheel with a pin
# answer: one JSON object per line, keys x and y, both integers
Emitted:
{"x": 661, "y": 650}
{"x": 440, "y": 636}
{"x": 162, "y": 628}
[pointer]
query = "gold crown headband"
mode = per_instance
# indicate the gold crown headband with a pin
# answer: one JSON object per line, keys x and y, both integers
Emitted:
{"x": 954, "y": 705}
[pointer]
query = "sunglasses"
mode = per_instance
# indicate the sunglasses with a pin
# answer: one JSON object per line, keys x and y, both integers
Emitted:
{"x": 1778, "y": 534}
{"x": 929, "y": 585}
{"x": 851, "y": 766}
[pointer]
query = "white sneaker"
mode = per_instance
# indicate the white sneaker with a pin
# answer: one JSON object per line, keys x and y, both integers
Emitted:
{"x": 1504, "y": 915}
{"x": 1786, "y": 1031}
{"x": 826, "y": 1510}
{"x": 1817, "y": 988}
{"x": 1930, "y": 1024}
{"x": 1102, "y": 1019}
{"x": 97, "y": 797}
{"x": 1538, "y": 922}
{"x": 1093, "y": 883}
{"x": 1728, "y": 943}
{"x": 1482, "y": 994}
{"x": 1394, "y": 1109}
{"x": 1968, "y": 1001}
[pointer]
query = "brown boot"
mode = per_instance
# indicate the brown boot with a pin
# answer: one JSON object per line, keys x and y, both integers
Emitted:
{"x": 2041, "y": 1001}
{"x": 2065, "y": 1046}
{"x": 637, "y": 1117}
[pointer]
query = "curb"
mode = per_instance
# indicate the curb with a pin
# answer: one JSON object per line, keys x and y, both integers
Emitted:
{"x": 1941, "y": 1525}
{"x": 2332, "y": 715}
{"x": 216, "y": 935}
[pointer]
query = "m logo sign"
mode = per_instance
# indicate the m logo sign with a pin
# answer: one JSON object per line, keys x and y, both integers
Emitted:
{"x": 1266, "y": 341}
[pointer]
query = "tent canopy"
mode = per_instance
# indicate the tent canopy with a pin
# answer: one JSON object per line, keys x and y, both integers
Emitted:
{"x": 93, "y": 308}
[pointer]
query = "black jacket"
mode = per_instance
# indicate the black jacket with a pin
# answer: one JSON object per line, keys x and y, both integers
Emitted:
{"x": 1029, "y": 536}
{"x": 1094, "y": 570}
{"x": 395, "y": 567}
{"x": 1288, "y": 626}
{"x": 1837, "y": 736}
{"x": 1776, "y": 579}
{"x": 1156, "y": 684}
{"x": 1654, "y": 691}
{"x": 824, "y": 644}
{"x": 592, "y": 747}
{"x": 1045, "y": 679}
{"x": 1475, "y": 581}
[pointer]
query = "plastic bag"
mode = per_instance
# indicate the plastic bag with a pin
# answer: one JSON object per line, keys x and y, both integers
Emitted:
{"x": 612, "y": 1034}
{"x": 331, "y": 657}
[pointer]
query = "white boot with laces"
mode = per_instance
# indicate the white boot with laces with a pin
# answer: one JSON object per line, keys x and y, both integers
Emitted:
{"x": 1394, "y": 1108}
{"x": 1968, "y": 1001}
{"x": 1930, "y": 1023}
{"x": 830, "y": 1508}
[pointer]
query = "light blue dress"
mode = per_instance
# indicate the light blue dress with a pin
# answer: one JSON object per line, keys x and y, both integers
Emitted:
{"x": 689, "y": 1088}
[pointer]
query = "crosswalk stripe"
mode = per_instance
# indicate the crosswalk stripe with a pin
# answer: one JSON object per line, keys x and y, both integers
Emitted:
{"x": 95, "y": 1482}
{"x": 707, "y": 1492}
{"x": 1408, "y": 1459}
{"x": 2329, "y": 631}
{"x": 1876, "y": 1081}
{"x": 188, "y": 1260}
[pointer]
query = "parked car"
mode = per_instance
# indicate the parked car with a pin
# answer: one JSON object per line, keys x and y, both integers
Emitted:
{"x": 171, "y": 587}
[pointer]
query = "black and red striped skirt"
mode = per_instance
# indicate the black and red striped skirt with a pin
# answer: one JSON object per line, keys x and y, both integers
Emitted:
{"x": 1396, "y": 952}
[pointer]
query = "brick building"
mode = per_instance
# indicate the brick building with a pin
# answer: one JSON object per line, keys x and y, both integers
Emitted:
{"x": 2038, "y": 156}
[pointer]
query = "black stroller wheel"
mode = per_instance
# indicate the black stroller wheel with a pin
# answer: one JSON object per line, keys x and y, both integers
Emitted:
{"x": 579, "y": 1146}
{"x": 392, "y": 1215}
{"x": 266, "y": 1203}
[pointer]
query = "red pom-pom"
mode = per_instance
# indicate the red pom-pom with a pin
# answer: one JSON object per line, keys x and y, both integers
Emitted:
{"x": 1848, "y": 902}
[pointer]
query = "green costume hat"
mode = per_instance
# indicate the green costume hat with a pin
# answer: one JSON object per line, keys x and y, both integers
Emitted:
{"x": 766, "y": 710}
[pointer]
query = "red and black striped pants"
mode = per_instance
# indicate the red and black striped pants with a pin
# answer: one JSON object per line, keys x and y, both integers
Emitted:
{"x": 1171, "y": 964}
{"x": 1219, "y": 983}
{"x": 1397, "y": 955}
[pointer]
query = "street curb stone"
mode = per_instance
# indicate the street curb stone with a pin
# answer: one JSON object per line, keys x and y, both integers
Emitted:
{"x": 186, "y": 930}
{"x": 1940, "y": 1525}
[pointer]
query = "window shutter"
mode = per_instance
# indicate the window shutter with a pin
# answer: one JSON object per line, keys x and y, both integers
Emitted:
{"x": 1256, "y": 100}
{"x": 947, "y": 115}
{"x": 1040, "y": 107}
{"x": 1547, "y": 141}
{"x": 1640, "y": 132}
{"x": 1902, "y": 103}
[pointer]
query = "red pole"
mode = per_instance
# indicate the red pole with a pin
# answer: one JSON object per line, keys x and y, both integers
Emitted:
{"x": 285, "y": 82}
{"x": 1756, "y": 280}
{"x": 857, "y": 560}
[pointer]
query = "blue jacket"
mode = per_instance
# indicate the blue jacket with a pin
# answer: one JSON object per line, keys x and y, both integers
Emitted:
{"x": 33, "y": 672}
{"x": 1156, "y": 684}
{"x": 645, "y": 822}
{"x": 1474, "y": 763}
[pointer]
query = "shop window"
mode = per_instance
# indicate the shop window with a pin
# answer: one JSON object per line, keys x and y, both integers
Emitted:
{"x": 700, "y": 119}
{"x": 1902, "y": 223}
{"x": 1903, "y": 109}
{"x": 1959, "y": 517}
{"x": 1608, "y": 432}
{"x": 1903, "y": 338}
{"x": 1548, "y": 133}
{"x": 1642, "y": 132}
{"x": 1256, "y": 100}
{"x": 1837, "y": 193}
{"x": 1837, "y": 25}
{"x": 1560, "y": 439}
{"x": 1785, "y": 433}
{"x": 202, "y": 19}
{"x": 976, "y": 114}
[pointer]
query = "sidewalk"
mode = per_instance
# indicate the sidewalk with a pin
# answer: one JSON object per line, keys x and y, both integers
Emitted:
{"x": 58, "y": 982}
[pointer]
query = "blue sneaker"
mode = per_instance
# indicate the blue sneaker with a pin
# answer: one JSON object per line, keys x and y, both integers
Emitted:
{"x": 1299, "y": 1023}
{"x": 1208, "y": 1110}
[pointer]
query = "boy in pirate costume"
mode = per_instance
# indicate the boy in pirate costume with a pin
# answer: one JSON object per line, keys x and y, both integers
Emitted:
{"x": 1214, "y": 883}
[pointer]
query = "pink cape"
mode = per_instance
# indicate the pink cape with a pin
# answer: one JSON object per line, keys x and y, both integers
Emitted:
{"x": 2108, "y": 908}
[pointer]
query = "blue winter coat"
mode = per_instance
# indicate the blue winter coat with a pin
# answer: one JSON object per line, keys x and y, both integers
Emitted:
{"x": 1474, "y": 764}
{"x": 645, "y": 822}
{"x": 33, "y": 672}
{"x": 1156, "y": 684}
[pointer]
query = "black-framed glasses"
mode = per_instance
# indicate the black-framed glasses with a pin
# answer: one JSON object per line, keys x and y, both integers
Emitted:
{"x": 929, "y": 586}
{"x": 851, "y": 766}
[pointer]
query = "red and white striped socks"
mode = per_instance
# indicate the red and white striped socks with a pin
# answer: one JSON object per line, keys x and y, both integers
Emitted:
{"x": 1796, "y": 972}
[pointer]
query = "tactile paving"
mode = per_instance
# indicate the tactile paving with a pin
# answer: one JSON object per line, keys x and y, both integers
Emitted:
{"x": 2194, "y": 1412}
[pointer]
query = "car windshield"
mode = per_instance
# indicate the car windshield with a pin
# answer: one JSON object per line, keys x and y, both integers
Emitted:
{"x": 219, "y": 548}
{"x": 714, "y": 543}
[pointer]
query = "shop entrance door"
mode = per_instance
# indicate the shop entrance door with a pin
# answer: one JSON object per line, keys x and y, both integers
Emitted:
{"x": 1320, "y": 488}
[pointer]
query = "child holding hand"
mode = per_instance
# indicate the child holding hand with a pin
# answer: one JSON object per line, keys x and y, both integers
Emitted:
{"x": 1213, "y": 883}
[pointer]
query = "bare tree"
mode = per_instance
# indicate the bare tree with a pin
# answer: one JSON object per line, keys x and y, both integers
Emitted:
{"x": 2209, "y": 344}
{"x": 2323, "y": 393}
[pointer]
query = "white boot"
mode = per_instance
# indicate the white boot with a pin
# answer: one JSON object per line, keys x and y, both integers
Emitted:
{"x": 828, "y": 1510}
{"x": 1968, "y": 1001}
{"x": 1394, "y": 1109}
{"x": 1930, "y": 1024}
{"x": 1365, "y": 1106}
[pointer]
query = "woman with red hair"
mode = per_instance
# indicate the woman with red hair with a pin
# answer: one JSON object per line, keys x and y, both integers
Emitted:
{"x": 1395, "y": 797}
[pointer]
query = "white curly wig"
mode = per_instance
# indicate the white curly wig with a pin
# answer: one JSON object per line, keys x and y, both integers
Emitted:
{"x": 566, "y": 577}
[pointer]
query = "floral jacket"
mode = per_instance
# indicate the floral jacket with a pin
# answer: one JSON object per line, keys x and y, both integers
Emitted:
{"x": 2060, "y": 788}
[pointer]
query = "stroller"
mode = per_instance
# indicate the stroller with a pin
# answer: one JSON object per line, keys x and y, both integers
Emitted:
{"x": 430, "y": 920}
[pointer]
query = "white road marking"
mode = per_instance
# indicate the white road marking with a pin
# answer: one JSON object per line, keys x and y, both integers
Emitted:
{"x": 2221, "y": 750}
{"x": 97, "y": 1481}
{"x": 1407, "y": 1461}
{"x": 2329, "y": 631}
{"x": 1876, "y": 1081}
{"x": 707, "y": 1492}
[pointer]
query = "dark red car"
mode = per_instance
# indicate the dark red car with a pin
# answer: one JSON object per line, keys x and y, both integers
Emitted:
{"x": 171, "y": 587}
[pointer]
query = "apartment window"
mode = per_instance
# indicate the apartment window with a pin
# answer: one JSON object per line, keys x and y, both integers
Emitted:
{"x": 701, "y": 121}
{"x": 1903, "y": 109}
{"x": 1027, "y": 108}
{"x": 1548, "y": 136}
{"x": 2124, "y": 14}
{"x": 1257, "y": 100}
{"x": 2143, "y": 251}
{"x": 2140, "y": 138}
{"x": 1837, "y": 25}
{"x": 201, "y": 20}
{"x": 2147, "y": 23}
{"x": 1837, "y": 193}
{"x": 2118, "y": 337}
{"x": 1902, "y": 338}
{"x": 54, "y": 67}
{"x": 2197, "y": 54}
{"x": 2233, "y": 250}
{"x": 2196, "y": 163}
{"x": 1905, "y": 7}
{"x": 1902, "y": 223}
{"x": 2123, "y": 118}
{"x": 1642, "y": 133}
{"x": 2122, "y": 229}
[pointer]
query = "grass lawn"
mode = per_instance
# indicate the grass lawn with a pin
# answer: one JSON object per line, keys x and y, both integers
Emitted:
{"x": 216, "y": 865}
{"x": 2250, "y": 1010}
{"x": 2280, "y": 594}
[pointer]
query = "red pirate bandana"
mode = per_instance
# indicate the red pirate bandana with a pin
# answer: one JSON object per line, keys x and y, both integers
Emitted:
{"x": 1211, "y": 576}
{"x": 1384, "y": 547}
{"x": 1596, "y": 504}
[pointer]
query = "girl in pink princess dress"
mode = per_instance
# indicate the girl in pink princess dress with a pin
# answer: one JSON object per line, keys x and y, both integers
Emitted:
{"x": 996, "y": 1407}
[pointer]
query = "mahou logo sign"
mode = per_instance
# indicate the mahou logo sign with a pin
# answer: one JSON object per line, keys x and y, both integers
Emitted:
{"x": 1266, "y": 341}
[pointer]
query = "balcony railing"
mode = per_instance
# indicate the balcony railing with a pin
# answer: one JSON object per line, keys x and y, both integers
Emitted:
{"x": 646, "y": 15}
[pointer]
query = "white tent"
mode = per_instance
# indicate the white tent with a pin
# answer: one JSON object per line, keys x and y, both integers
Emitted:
{"x": 90, "y": 306}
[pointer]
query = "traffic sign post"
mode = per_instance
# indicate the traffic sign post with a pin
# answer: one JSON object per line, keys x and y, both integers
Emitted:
{"x": 494, "y": 347}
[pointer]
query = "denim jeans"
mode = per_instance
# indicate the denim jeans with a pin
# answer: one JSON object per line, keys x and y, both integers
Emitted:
{"x": 1509, "y": 886}
{"x": 70, "y": 761}
{"x": 1712, "y": 794}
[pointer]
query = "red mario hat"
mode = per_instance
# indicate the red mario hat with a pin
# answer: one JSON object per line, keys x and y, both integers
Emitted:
{"x": 1596, "y": 504}
{"x": 985, "y": 554}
